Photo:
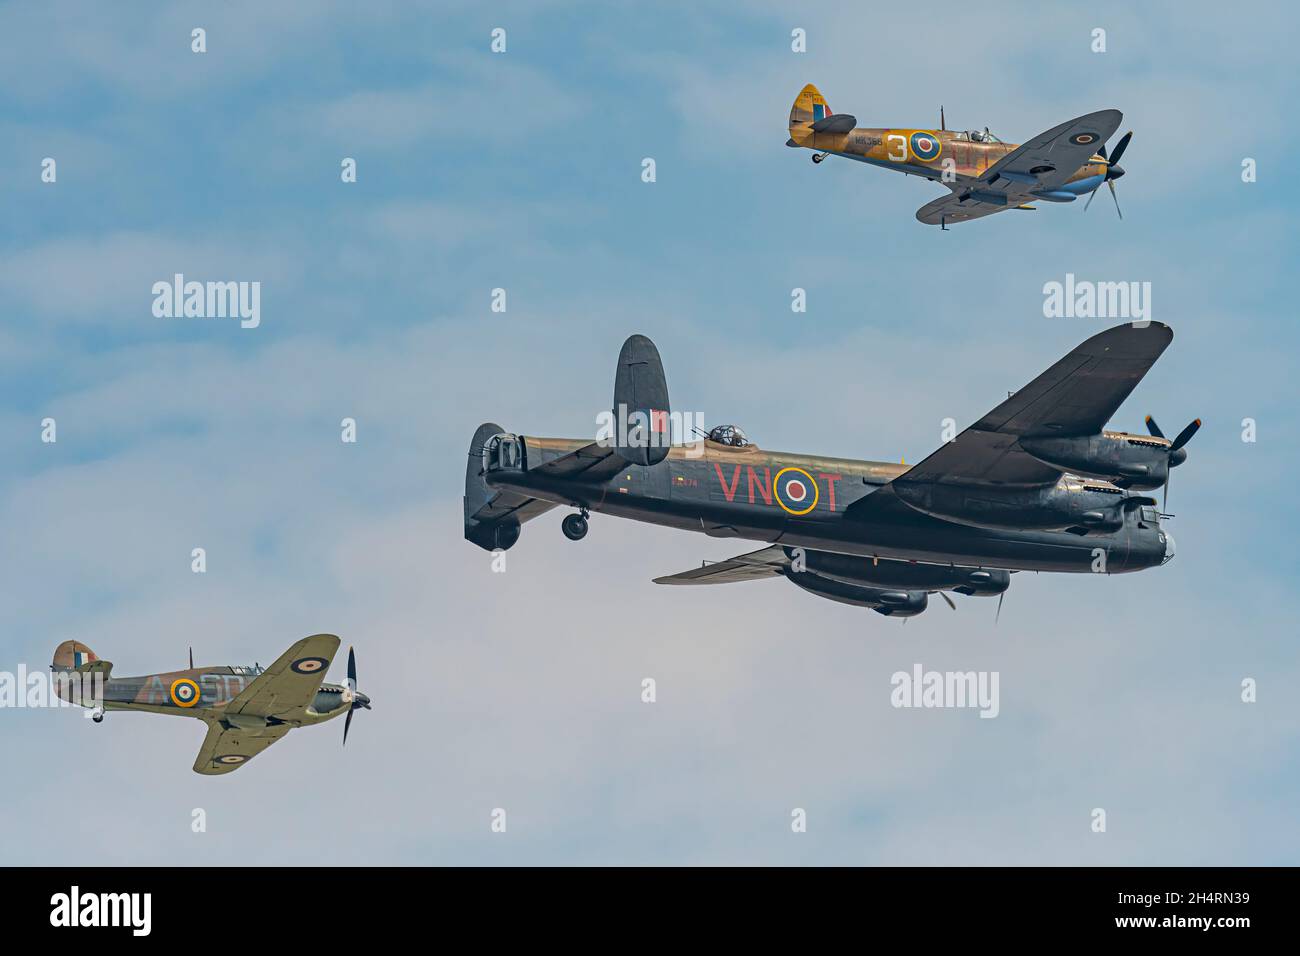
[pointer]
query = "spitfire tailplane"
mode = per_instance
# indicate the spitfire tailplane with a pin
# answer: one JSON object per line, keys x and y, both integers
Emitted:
{"x": 811, "y": 114}
{"x": 809, "y": 107}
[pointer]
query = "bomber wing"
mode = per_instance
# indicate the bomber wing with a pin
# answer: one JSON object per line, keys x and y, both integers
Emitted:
{"x": 224, "y": 751}
{"x": 285, "y": 688}
{"x": 764, "y": 563}
{"x": 1076, "y": 396}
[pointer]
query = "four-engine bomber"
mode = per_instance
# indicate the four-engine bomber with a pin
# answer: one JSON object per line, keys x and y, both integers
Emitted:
{"x": 1036, "y": 484}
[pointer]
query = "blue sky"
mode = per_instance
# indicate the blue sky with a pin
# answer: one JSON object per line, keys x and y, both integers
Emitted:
{"x": 522, "y": 170}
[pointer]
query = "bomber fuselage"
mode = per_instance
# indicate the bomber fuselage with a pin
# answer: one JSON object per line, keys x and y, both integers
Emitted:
{"x": 748, "y": 493}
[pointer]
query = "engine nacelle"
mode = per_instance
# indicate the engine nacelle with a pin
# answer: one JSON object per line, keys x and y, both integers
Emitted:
{"x": 892, "y": 602}
{"x": 1072, "y": 504}
{"x": 886, "y": 573}
{"x": 1135, "y": 460}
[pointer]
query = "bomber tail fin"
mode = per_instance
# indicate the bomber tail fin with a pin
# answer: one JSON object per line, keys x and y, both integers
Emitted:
{"x": 641, "y": 395}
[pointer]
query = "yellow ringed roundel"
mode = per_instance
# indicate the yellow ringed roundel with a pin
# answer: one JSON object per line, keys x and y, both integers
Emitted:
{"x": 795, "y": 490}
{"x": 925, "y": 145}
{"x": 184, "y": 692}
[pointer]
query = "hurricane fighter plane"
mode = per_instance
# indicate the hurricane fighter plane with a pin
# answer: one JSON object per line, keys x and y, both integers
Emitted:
{"x": 1037, "y": 484}
{"x": 985, "y": 175}
{"x": 246, "y": 707}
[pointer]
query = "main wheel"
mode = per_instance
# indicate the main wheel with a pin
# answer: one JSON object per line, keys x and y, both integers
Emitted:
{"x": 818, "y": 157}
{"x": 97, "y": 718}
{"x": 574, "y": 527}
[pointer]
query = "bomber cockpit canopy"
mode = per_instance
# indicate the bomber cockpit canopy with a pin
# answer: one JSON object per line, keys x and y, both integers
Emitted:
{"x": 732, "y": 436}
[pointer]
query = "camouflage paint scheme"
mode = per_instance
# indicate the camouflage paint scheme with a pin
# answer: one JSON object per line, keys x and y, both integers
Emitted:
{"x": 1060, "y": 170}
{"x": 246, "y": 707}
{"x": 978, "y": 505}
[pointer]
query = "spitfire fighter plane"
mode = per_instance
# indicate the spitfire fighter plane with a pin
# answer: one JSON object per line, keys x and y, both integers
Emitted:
{"x": 985, "y": 175}
{"x": 1036, "y": 484}
{"x": 246, "y": 708}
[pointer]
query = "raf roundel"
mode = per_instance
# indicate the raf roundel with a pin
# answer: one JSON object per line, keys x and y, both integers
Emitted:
{"x": 795, "y": 490}
{"x": 230, "y": 759}
{"x": 926, "y": 146}
{"x": 1084, "y": 139}
{"x": 309, "y": 665}
{"x": 184, "y": 692}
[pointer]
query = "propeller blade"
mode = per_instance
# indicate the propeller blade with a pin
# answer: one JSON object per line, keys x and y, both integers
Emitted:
{"x": 998, "y": 616}
{"x": 352, "y": 670}
{"x": 944, "y": 595}
{"x": 1165, "y": 507}
{"x": 1185, "y": 435}
{"x": 1090, "y": 195}
{"x": 1111, "y": 184}
{"x": 1153, "y": 428}
{"x": 1119, "y": 149}
{"x": 1102, "y": 152}
{"x": 346, "y": 725}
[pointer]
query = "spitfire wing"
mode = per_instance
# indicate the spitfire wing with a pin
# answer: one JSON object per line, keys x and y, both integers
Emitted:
{"x": 1076, "y": 396}
{"x": 225, "y": 751}
{"x": 1051, "y": 158}
{"x": 764, "y": 563}
{"x": 960, "y": 206}
{"x": 285, "y": 688}
{"x": 1045, "y": 162}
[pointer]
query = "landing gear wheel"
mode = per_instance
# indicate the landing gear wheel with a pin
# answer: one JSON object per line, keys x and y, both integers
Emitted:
{"x": 574, "y": 527}
{"x": 818, "y": 157}
{"x": 97, "y": 718}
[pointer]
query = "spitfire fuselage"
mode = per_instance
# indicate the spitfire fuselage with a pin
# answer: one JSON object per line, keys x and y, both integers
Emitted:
{"x": 932, "y": 153}
{"x": 731, "y": 492}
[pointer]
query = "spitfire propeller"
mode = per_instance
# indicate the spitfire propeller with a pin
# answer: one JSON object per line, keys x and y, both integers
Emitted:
{"x": 1177, "y": 453}
{"x": 1113, "y": 171}
{"x": 351, "y": 697}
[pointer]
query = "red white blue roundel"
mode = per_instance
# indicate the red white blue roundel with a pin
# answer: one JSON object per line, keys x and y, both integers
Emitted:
{"x": 184, "y": 692}
{"x": 795, "y": 490}
{"x": 1085, "y": 138}
{"x": 309, "y": 665}
{"x": 926, "y": 146}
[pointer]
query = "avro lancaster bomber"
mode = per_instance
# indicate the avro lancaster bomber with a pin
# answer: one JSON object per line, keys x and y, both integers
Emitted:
{"x": 1037, "y": 484}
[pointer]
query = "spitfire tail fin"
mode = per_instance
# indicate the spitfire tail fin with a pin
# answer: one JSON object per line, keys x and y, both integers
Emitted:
{"x": 809, "y": 107}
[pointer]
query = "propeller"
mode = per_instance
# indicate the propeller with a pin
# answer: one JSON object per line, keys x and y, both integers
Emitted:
{"x": 997, "y": 617}
{"x": 353, "y": 699}
{"x": 944, "y": 595}
{"x": 1113, "y": 171}
{"x": 1177, "y": 453}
